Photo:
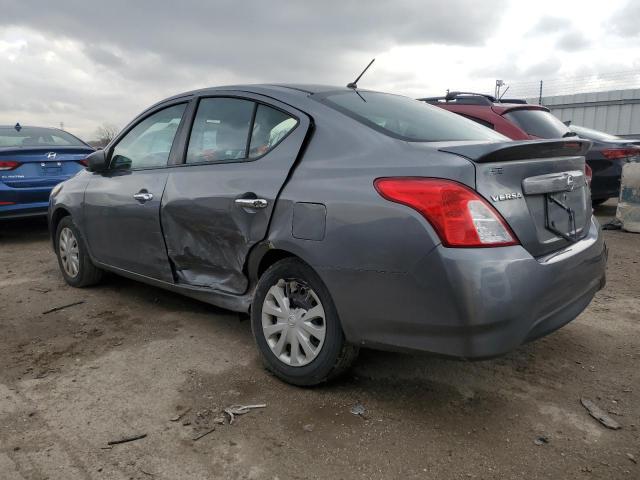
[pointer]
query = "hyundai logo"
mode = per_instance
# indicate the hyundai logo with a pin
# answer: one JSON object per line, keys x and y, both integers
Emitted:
{"x": 51, "y": 155}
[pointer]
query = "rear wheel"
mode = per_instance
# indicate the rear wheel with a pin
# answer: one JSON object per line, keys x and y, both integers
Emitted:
{"x": 75, "y": 264}
{"x": 296, "y": 325}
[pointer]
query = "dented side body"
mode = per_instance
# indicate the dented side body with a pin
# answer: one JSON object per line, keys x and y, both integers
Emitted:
{"x": 394, "y": 285}
{"x": 208, "y": 236}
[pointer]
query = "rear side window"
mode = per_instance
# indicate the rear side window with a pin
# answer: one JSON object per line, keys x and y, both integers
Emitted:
{"x": 233, "y": 129}
{"x": 269, "y": 128}
{"x": 538, "y": 123}
{"x": 407, "y": 119}
{"x": 220, "y": 130}
{"x": 37, "y": 137}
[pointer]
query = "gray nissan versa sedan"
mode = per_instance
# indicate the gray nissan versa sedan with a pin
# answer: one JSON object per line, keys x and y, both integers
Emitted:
{"x": 339, "y": 218}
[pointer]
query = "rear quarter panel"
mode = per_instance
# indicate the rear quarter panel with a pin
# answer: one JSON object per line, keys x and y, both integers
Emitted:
{"x": 364, "y": 233}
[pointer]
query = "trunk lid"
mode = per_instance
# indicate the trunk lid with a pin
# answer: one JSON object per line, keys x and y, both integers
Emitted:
{"x": 539, "y": 187}
{"x": 42, "y": 166}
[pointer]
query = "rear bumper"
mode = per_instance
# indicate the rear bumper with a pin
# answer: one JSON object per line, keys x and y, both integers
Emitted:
{"x": 606, "y": 182}
{"x": 24, "y": 202}
{"x": 469, "y": 303}
{"x": 34, "y": 209}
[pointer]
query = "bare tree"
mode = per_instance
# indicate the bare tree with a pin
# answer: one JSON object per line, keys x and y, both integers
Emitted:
{"x": 106, "y": 132}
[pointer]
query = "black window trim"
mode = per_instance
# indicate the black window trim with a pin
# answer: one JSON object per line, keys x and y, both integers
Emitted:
{"x": 480, "y": 121}
{"x": 246, "y": 159}
{"x": 137, "y": 121}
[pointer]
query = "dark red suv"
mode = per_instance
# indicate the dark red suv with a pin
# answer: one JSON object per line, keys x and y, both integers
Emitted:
{"x": 513, "y": 118}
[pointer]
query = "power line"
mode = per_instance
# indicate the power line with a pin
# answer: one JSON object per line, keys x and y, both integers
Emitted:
{"x": 572, "y": 84}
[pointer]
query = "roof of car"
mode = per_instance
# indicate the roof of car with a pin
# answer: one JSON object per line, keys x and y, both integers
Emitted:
{"x": 501, "y": 108}
{"x": 259, "y": 87}
{"x": 498, "y": 105}
{"x": 277, "y": 90}
{"x": 12, "y": 127}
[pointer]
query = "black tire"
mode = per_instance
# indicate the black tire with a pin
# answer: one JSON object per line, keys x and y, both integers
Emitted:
{"x": 88, "y": 274}
{"x": 335, "y": 355}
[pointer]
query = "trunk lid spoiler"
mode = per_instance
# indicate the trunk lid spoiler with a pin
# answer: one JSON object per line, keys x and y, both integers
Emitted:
{"x": 521, "y": 150}
{"x": 537, "y": 186}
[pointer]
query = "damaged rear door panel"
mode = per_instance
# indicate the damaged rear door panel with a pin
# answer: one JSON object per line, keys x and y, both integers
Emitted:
{"x": 218, "y": 203}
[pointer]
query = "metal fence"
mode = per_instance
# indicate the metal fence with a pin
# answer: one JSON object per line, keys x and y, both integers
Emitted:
{"x": 609, "y": 102}
{"x": 616, "y": 112}
{"x": 574, "y": 84}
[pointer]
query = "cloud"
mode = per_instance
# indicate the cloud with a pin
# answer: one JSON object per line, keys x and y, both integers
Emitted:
{"x": 511, "y": 71}
{"x": 573, "y": 40}
{"x": 624, "y": 22}
{"x": 550, "y": 24}
{"x": 86, "y": 62}
{"x": 569, "y": 37}
{"x": 103, "y": 56}
{"x": 105, "y": 61}
{"x": 256, "y": 38}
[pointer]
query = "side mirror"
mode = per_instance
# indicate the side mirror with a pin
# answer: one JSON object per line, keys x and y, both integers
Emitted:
{"x": 97, "y": 161}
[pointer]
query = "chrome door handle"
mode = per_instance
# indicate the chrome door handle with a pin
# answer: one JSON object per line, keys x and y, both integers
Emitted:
{"x": 252, "y": 202}
{"x": 143, "y": 196}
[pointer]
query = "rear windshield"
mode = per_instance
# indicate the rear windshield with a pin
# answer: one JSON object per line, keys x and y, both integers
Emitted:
{"x": 591, "y": 134}
{"x": 539, "y": 123}
{"x": 407, "y": 119}
{"x": 37, "y": 137}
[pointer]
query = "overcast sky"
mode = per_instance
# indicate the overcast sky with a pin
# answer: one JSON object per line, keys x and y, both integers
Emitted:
{"x": 86, "y": 62}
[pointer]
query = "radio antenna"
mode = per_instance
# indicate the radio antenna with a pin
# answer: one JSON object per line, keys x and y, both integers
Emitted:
{"x": 354, "y": 84}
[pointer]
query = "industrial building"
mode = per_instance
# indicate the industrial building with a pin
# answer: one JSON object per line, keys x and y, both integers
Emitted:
{"x": 616, "y": 111}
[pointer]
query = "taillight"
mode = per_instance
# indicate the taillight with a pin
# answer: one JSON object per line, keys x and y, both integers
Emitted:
{"x": 460, "y": 216}
{"x": 8, "y": 165}
{"x": 84, "y": 162}
{"x": 588, "y": 173}
{"x": 617, "y": 153}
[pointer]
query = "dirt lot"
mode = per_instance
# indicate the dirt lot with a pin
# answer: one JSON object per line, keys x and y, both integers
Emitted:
{"x": 131, "y": 358}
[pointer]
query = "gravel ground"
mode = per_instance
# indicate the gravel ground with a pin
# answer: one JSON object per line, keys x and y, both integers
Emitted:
{"x": 132, "y": 358}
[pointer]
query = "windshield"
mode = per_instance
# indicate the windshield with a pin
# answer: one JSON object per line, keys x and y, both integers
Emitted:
{"x": 407, "y": 119}
{"x": 37, "y": 137}
{"x": 538, "y": 123}
{"x": 591, "y": 134}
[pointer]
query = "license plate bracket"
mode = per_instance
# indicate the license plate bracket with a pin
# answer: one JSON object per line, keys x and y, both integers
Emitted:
{"x": 50, "y": 169}
{"x": 560, "y": 218}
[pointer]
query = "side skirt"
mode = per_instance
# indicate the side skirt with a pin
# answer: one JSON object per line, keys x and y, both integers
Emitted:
{"x": 229, "y": 301}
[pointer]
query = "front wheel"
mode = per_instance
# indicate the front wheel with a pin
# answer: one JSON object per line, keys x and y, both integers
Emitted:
{"x": 296, "y": 325}
{"x": 75, "y": 264}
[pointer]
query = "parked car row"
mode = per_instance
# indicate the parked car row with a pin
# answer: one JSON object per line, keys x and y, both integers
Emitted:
{"x": 35, "y": 159}
{"x": 341, "y": 218}
{"x": 519, "y": 120}
{"x": 606, "y": 157}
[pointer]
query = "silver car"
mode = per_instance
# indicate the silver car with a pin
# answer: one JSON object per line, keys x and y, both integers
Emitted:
{"x": 339, "y": 218}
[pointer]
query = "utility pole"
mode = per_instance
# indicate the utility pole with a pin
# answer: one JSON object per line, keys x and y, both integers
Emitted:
{"x": 540, "y": 94}
{"x": 61, "y": 125}
{"x": 499, "y": 84}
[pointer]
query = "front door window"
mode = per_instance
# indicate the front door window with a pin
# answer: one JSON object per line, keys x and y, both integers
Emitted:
{"x": 148, "y": 144}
